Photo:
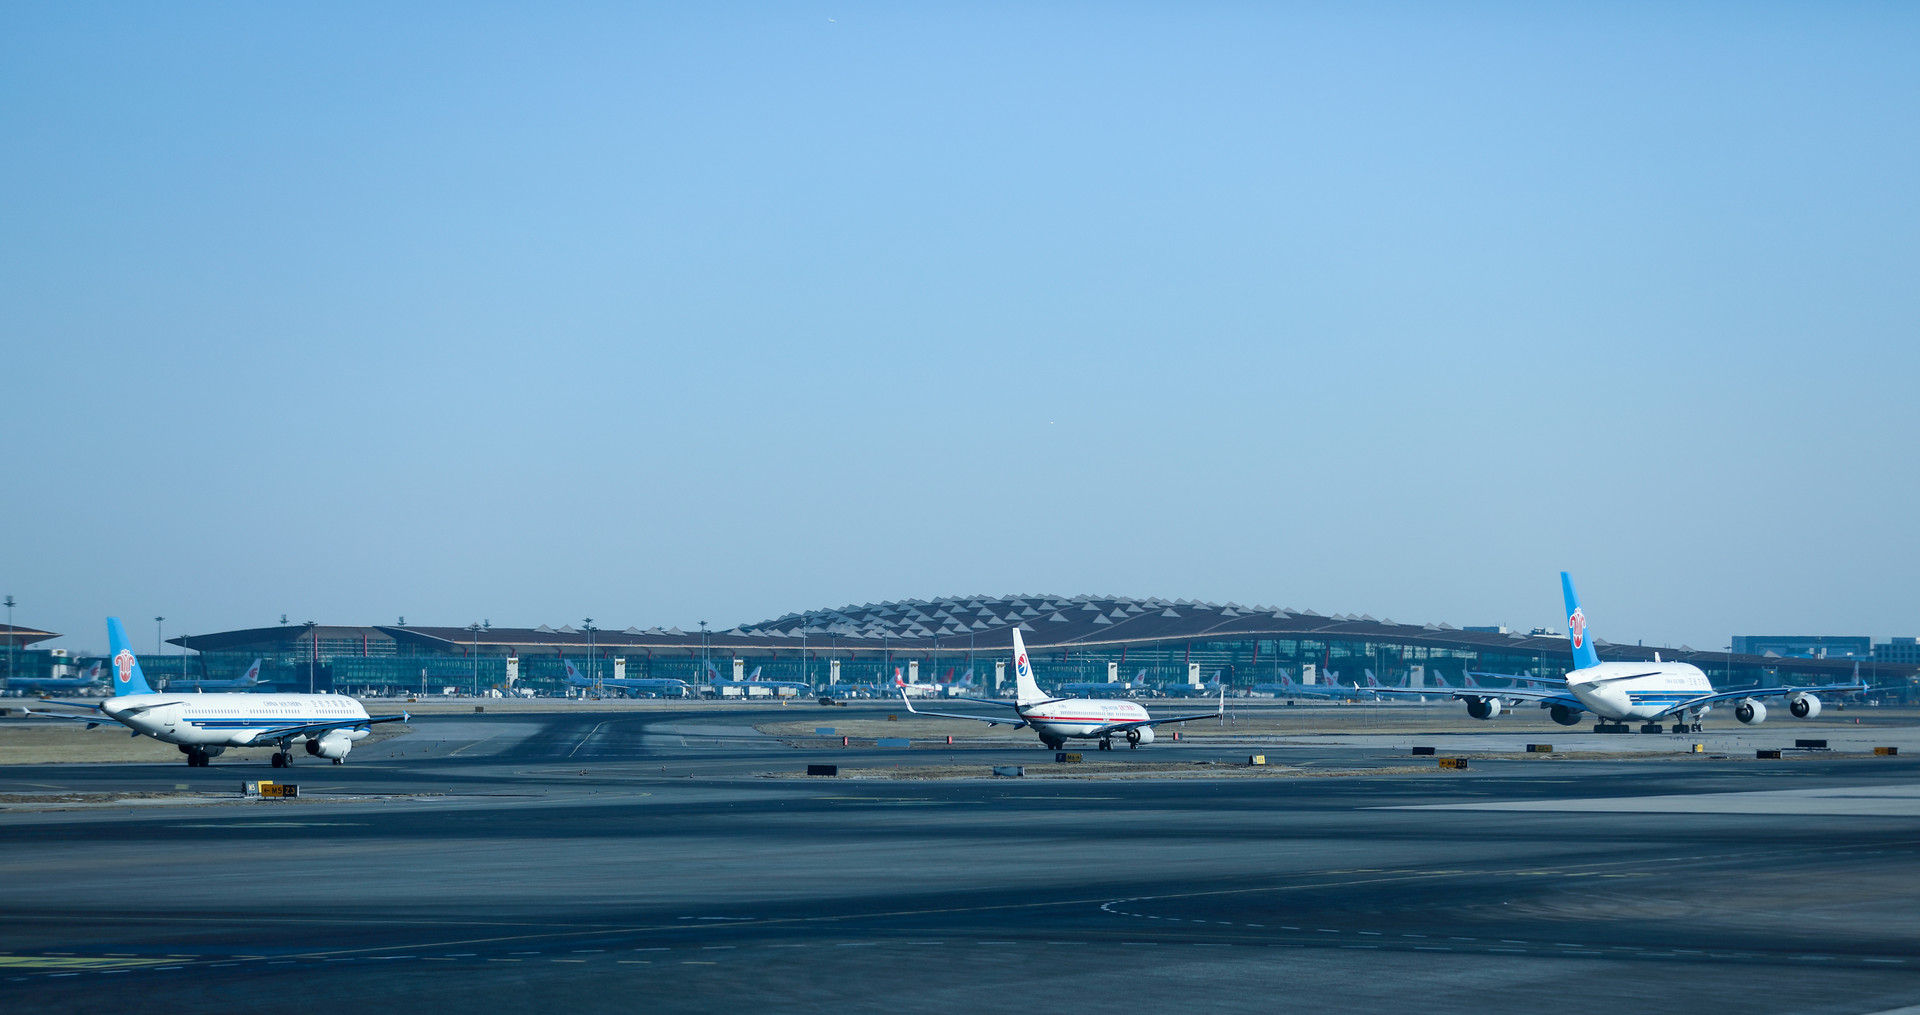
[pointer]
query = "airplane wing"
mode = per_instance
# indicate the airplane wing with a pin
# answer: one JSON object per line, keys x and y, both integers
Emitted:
{"x": 315, "y": 728}
{"x": 90, "y": 720}
{"x": 989, "y": 720}
{"x": 1760, "y": 692}
{"x": 1544, "y": 697}
{"x": 1122, "y": 727}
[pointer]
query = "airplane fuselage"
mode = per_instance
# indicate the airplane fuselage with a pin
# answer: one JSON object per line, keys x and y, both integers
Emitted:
{"x": 1648, "y": 690}
{"x": 1079, "y": 717}
{"x": 231, "y": 720}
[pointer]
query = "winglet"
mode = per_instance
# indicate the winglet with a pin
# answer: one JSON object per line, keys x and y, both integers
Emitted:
{"x": 904, "y": 701}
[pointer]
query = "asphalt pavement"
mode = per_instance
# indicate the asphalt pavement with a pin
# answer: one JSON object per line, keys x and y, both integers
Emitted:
{"x": 619, "y": 860}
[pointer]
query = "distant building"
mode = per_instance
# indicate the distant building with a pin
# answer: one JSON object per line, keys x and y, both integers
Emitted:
{"x": 1072, "y": 639}
{"x": 1810, "y": 646}
{"x": 1898, "y": 651}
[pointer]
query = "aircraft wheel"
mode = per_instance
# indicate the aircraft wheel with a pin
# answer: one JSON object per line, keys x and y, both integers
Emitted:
{"x": 339, "y": 761}
{"x": 279, "y": 760}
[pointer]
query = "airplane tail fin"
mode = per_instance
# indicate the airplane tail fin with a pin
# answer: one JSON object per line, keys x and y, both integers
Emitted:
{"x": 1026, "y": 691}
{"x": 253, "y": 674}
{"x": 127, "y": 678}
{"x": 573, "y": 675}
{"x": 1583, "y": 653}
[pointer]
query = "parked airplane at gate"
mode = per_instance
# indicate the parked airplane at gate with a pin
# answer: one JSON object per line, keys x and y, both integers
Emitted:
{"x": 249, "y": 679}
{"x": 665, "y": 687}
{"x": 1287, "y": 687}
{"x": 1647, "y": 692}
{"x": 1057, "y": 720}
{"x": 88, "y": 680}
{"x": 205, "y": 725}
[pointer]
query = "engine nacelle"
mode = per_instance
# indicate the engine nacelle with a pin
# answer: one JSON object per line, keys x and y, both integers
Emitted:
{"x": 1750, "y": 712}
{"x": 1804, "y": 706}
{"x": 1565, "y": 716}
{"x": 1483, "y": 708}
{"x": 1140, "y": 735}
{"x": 329, "y": 747}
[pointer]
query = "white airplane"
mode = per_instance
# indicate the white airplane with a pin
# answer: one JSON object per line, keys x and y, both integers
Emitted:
{"x": 1647, "y": 692}
{"x": 1287, "y": 687}
{"x": 205, "y": 725}
{"x": 666, "y": 687}
{"x": 88, "y": 679}
{"x": 1058, "y": 719}
{"x": 248, "y": 679}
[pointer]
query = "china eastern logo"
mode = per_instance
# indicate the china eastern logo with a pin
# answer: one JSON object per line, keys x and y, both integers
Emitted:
{"x": 123, "y": 665}
{"x": 1577, "y": 626}
{"x": 1020, "y": 666}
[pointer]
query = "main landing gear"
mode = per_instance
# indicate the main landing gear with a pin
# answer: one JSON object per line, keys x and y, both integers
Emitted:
{"x": 196, "y": 758}
{"x": 1106, "y": 744}
{"x": 282, "y": 759}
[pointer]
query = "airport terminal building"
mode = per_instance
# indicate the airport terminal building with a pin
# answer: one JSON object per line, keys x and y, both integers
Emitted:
{"x": 1077, "y": 639}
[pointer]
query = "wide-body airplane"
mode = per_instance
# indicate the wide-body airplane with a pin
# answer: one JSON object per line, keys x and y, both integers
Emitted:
{"x": 1058, "y": 720}
{"x": 205, "y": 725}
{"x": 1645, "y": 692}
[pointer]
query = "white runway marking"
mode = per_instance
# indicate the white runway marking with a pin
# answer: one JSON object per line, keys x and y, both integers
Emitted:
{"x": 1876, "y": 801}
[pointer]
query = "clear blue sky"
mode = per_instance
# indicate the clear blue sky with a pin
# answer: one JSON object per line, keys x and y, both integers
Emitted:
{"x": 653, "y": 314}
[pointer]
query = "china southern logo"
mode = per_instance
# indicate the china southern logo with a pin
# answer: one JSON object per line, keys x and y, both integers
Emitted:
{"x": 1577, "y": 626}
{"x": 1020, "y": 667}
{"x": 123, "y": 664}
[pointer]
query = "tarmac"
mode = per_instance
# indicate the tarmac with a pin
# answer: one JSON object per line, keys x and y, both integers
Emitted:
{"x": 676, "y": 859}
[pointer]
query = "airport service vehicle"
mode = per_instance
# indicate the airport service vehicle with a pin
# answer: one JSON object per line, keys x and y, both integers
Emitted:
{"x": 1057, "y": 720}
{"x": 665, "y": 687}
{"x": 246, "y": 680}
{"x": 88, "y": 680}
{"x": 1617, "y": 693}
{"x": 205, "y": 725}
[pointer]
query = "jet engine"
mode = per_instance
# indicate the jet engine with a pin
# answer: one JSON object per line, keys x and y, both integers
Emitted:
{"x": 329, "y": 747}
{"x": 1483, "y": 708}
{"x": 1565, "y": 716}
{"x": 1750, "y": 712}
{"x": 1804, "y": 706}
{"x": 1140, "y": 735}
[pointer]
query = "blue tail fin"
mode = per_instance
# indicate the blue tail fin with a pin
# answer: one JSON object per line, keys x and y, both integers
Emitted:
{"x": 1583, "y": 653}
{"x": 127, "y": 678}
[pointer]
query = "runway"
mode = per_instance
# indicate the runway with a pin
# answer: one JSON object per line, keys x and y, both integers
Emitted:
{"x": 608, "y": 861}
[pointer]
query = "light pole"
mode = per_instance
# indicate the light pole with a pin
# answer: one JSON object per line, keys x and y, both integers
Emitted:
{"x": 11, "y": 638}
{"x": 157, "y": 642}
{"x": 705, "y": 661}
{"x": 475, "y": 628}
{"x": 595, "y": 667}
{"x": 313, "y": 651}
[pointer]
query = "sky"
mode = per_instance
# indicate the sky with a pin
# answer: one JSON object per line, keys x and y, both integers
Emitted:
{"x": 665, "y": 313}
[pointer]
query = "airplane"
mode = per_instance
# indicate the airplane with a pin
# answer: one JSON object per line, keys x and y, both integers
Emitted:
{"x": 246, "y": 680}
{"x": 1287, "y": 687}
{"x": 1648, "y": 692}
{"x": 203, "y": 726}
{"x": 88, "y": 680}
{"x": 1058, "y": 719}
{"x": 919, "y": 690}
{"x": 665, "y": 687}
{"x": 753, "y": 680}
